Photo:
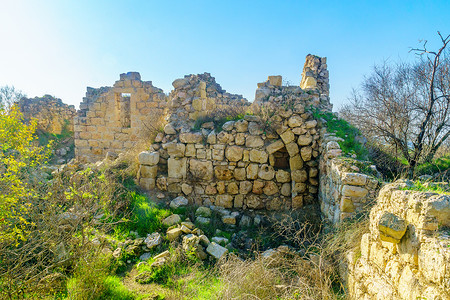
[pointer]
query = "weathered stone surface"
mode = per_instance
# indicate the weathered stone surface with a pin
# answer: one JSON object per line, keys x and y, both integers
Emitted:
{"x": 391, "y": 227}
{"x": 148, "y": 158}
{"x": 191, "y": 138}
{"x": 228, "y": 126}
{"x": 201, "y": 169}
{"x": 245, "y": 187}
{"x": 275, "y": 146}
{"x": 354, "y": 178}
{"x": 296, "y": 163}
{"x": 153, "y": 240}
{"x": 148, "y": 171}
{"x": 175, "y": 150}
{"x": 266, "y": 172}
{"x": 253, "y": 141}
{"x": 234, "y": 153}
{"x": 174, "y": 234}
{"x": 223, "y": 172}
{"x": 179, "y": 83}
{"x": 258, "y": 186}
{"x": 255, "y": 128}
{"x": 304, "y": 140}
{"x": 275, "y": 80}
{"x": 225, "y": 201}
{"x": 299, "y": 176}
{"x": 147, "y": 183}
{"x": 232, "y": 188}
{"x": 178, "y": 202}
{"x": 295, "y": 121}
{"x": 354, "y": 191}
{"x": 203, "y": 211}
{"x": 176, "y": 168}
{"x": 168, "y": 129}
{"x": 292, "y": 149}
{"x": 306, "y": 153}
{"x": 241, "y": 125}
{"x": 172, "y": 220}
{"x": 347, "y": 205}
{"x": 286, "y": 189}
{"x": 186, "y": 189}
{"x": 287, "y": 136}
{"x": 240, "y": 174}
{"x": 216, "y": 251}
{"x": 297, "y": 202}
{"x": 254, "y": 202}
{"x": 252, "y": 171}
{"x": 270, "y": 188}
{"x": 283, "y": 176}
{"x": 258, "y": 156}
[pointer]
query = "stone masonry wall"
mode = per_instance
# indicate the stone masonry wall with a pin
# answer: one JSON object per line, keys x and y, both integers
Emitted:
{"x": 115, "y": 118}
{"x": 52, "y": 115}
{"x": 406, "y": 254}
{"x": 344, "y": 190}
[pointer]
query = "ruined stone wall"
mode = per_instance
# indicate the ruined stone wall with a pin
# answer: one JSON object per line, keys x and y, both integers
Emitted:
{"x": 51, "y": 114}
{"x": 406, "y": 254}
{"x": 344, "y": 189}
{"x": 116, "y": 118}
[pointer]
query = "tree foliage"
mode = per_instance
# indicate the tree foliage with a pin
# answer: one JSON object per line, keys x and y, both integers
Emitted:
{"x": 8, "y": 96}
{"x": 405, "y": 108}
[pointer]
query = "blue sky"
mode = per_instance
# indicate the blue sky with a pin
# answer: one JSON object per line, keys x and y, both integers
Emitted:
{"x": 61, "y": 47}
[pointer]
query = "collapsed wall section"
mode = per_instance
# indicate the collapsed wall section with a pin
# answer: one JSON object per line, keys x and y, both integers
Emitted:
{"x": 116, "y": 118}
{"x": 406, "y": 254}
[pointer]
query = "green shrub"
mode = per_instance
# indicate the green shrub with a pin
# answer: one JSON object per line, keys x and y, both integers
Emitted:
{"x": 440, "y": 166}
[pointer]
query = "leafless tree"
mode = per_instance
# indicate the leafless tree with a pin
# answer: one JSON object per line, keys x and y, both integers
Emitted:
{"x": 9, "y": 95}
{"x": 405, "y": 108}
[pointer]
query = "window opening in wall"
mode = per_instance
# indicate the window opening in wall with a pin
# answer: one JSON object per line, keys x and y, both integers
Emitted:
{"x": 123, "y": 109}
{"x": 281, "y": 159}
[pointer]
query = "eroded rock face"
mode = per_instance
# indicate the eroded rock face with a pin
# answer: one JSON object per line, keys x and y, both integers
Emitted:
{"x": 406, "y": 254}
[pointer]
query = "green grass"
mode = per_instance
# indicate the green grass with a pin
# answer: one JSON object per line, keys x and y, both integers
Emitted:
{"x": 429, "y": 187}
{"x": 437, "y": 166}
{"x": 345, "y": 131}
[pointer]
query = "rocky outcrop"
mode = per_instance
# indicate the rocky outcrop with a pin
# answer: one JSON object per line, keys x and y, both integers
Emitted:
{"x": 406, "y": 254}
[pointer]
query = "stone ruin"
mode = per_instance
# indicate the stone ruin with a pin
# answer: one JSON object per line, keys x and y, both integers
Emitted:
{"x": 267, "y": 159}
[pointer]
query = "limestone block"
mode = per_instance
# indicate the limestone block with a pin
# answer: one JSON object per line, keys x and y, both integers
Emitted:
{"x": 270, "y": 188}
{"x": 287, "y": 136}
{"x": 172, "y": 220}
{"x": 438, "y": 206}
{"x": 232, "y": 188}
{"x": 148, "y": 158}
{"x": 313, "y": 172}
{"x": 354, "y": 191}
{"x": 241, "y": 125}
{"x": 201, "y": 153}
{"x": 223, "y": 173}
{"x": 179, "y": 202}
{"x": 175, "y": 150}
{"x": 201, "y": 169}
{"x": 365, "y": 246}
{"x": 266, "y": 172}
{"x": 299, "y": 187}
{"x": 408, "y": 285}
{"x": 174, "y": 234}
{"x": 311, "y": 124}
{"x": 392, "y": 228}
{"x": 309, "y": 83}
{"x": 240, "y": 174}
{"x": 198, "y": 104}
{"x": 261, "y": 94}
{"x": 286, "y": 189}
{"x": 283, "y": 176}
{"x": 304, "y": 140}
{"x": 168, "y": 129}
{"x": 228, "y": 126}
{"x": 299, "y": 176}
{"x": 216, "y": 251}
{"x": 245, "y": 187}
{"x": 258, "y": 156}
{"x": 220, "y": 187}
{"x": 239, "y": 139}
{"x": 275, "y": 80}
{"x": 275, "y": 146}
{"x": 296, "y": 163}
{"x": 234, "y": 153}
{"x": 217, "y": 154}
{"x": 147, "y": 183}
{"x": 295, "y": 121}
{"x": 225, "y": 137}
{"x": 190, "y": 150}
{"x": 212, "y": 138}
{"x": 252, "y": 171}
{"x": 148, "y": 171}
{"x": 238, "y": 201}
{"x": 210, "y": 190}
{"x": 179, "y": 83}
{"x": 253, "y": 202}
{"x": 306, "y": 153}
{"x": 354, "y": 178}
{"x": 186, "y": 188}
{"x": 191, "y": 138}
{"x": 297, "y": 202}
{"x": 254, "y": 141}
{"x": 224, "y": 200}
{"x": 176, "y": 168}
{"x": 347, "y": 205}
{"x": 292, "y": 149}
{"x": 255, "y": 128}
{"x": 258, "y": 186}
{"x": 203, "y": 211}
